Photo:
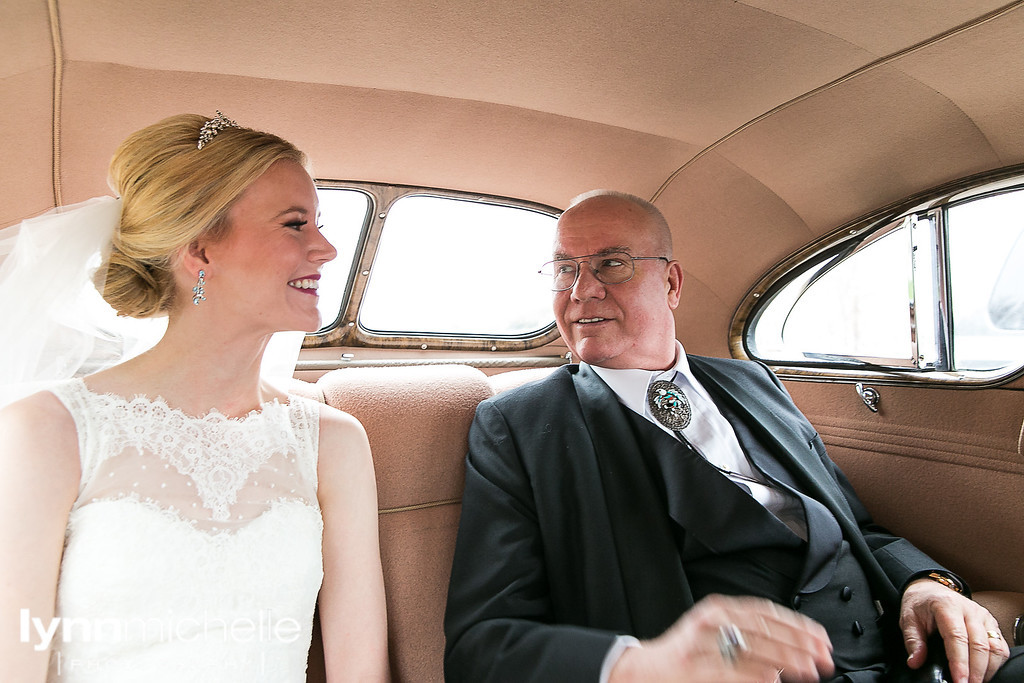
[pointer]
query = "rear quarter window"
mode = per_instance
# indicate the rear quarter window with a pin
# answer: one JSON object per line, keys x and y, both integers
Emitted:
{"x": 935, "y": 291}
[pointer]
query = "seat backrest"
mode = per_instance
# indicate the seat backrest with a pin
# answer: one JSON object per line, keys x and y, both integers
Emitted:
{"x": 417, "y": 421}
{"x": 511, "y": 379}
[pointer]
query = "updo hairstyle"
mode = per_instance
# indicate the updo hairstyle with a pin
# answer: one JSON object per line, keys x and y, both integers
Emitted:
{"x": 173, "y": 194}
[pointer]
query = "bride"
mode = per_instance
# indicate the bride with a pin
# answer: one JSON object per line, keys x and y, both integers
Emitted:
{"x": 176, "y": 517}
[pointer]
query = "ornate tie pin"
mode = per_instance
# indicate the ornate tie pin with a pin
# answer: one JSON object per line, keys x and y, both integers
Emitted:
{"x": 668, "y": 404}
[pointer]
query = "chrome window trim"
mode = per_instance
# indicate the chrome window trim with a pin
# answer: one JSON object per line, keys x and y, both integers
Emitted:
{"x": 345, "y": 331}
{"x": 851, "y": 237}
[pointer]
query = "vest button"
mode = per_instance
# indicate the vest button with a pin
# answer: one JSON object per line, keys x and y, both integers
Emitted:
{"x": 795, "y": 602}
{"x": 858, "y": 630}
{"x": 846, "y": 594}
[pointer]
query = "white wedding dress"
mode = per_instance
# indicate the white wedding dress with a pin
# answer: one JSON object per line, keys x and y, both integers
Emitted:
{"x": 193, "y": 551}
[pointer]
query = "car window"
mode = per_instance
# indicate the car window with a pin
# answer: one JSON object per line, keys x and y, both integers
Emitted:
{"x": 343, "y": 214}
{"x": 986, "y": 270}
{"x": 448, "y": 266}
{"x": 937, "y": 289}
{"x": 415, "y": 263}
{"x": 852, "y": 307}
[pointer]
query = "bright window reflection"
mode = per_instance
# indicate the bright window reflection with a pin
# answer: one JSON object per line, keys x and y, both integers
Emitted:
{"x": 467, "y": 268}
{"x": 986, "y": 256}
{"x": 858, "y": 308}
{"x": 886, "y": 301}
{"x": 342, "y": 215}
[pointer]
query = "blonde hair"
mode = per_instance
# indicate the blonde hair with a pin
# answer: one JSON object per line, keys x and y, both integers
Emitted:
{"x": 173, "y": 194}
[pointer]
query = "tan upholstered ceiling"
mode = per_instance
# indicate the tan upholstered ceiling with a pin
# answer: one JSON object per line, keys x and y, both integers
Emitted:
{"x": 737, "y": 116}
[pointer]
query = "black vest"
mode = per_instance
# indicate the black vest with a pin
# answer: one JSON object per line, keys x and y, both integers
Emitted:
{"x": 731, "y": 544}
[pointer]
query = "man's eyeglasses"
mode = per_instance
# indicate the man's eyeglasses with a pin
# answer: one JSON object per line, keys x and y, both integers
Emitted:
{"x": 610, "y": 268}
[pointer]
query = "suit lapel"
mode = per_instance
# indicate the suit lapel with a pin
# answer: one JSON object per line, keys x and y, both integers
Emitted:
{"x": 712, "y": 509}
{"x": 653, "y": 579}
{"x": 777, "y": 432}
{"x": 773, "y": 419}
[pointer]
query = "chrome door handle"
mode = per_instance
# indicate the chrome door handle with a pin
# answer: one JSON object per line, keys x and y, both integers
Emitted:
{"x": 870, "y": 396}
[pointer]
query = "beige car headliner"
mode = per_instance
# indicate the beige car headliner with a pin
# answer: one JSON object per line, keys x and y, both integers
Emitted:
{"x": 757, "y": 126}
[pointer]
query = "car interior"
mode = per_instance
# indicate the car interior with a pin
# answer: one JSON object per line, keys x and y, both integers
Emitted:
{"x": 781, "y": 140}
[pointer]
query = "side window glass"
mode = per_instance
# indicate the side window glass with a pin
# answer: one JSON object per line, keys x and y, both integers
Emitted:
{"x": 847, "y": 308}
{"x": 986, "y": 266}
{"x": 343, "y": 214}
{"x": 459, "y": 267}
{"x": 939, "y": 289}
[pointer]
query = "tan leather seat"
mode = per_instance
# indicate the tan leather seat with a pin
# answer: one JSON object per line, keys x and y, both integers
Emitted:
{"x": 417, "y": 420}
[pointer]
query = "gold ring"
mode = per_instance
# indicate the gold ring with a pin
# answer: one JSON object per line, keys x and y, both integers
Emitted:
{"x": 995, "y": 635}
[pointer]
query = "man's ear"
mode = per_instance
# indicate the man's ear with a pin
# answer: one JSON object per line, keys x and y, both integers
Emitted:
{"x": 675, "y": 283}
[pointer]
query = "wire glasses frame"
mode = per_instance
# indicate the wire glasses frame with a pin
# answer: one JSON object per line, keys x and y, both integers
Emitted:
{"x": 610, "y": 268}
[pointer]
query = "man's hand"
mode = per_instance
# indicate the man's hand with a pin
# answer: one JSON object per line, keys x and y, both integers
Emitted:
{"x": 732, "y": 640}
{"x": 974, "y": 645}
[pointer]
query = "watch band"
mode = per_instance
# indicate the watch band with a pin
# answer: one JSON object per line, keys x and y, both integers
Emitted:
{"x": 946, "y": 581}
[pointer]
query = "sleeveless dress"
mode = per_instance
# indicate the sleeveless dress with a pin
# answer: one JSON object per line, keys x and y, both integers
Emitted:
{"x": 193, "y": 550}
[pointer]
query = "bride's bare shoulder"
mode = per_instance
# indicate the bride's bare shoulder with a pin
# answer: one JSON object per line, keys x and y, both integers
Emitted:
{"x": 39, "y": 431}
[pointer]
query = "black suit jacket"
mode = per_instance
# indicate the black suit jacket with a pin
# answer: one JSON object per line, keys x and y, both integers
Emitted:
{"x": 564, "y": 541}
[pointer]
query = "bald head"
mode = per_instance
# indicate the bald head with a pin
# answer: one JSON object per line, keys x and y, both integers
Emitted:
{"x": 637, "y": 211}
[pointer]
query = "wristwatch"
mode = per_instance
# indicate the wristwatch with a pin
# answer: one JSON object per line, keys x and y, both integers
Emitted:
{"x": 947, "y": 581}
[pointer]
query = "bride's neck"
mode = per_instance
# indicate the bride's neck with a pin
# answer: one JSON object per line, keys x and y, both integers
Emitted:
{"x": 195, "y": 375}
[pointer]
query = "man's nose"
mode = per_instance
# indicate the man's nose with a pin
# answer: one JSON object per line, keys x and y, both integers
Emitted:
{"x": 587, "y": 285}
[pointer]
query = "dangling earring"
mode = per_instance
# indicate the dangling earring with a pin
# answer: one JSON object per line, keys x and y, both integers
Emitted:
{"x": 198, "y": 293}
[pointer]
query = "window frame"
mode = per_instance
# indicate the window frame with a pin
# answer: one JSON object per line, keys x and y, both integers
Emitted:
{"x": 345, "y": 330}
{"x": 844, "y": 241}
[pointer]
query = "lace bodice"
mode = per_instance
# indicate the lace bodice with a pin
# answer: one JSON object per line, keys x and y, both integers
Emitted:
{"x": 193, "y": 551}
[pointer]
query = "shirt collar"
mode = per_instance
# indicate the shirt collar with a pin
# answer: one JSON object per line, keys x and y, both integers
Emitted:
{"x": 630, "y": 385}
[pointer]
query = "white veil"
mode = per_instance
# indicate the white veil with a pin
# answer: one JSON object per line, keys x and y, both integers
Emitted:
{"x": 54, "y": 324}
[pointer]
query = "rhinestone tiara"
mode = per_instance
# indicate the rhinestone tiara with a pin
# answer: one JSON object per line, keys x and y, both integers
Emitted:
{"x": 212, "y": 127}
